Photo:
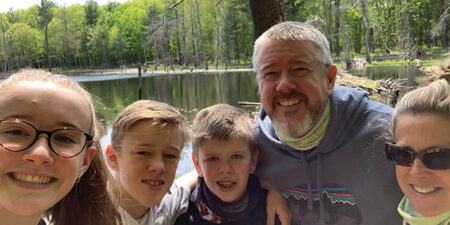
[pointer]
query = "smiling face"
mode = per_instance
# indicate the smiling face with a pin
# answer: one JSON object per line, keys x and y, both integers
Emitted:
{"x": 427, "y": 189}
{"x": 294, "y": 86}
{"x": 226, "y": 166}
{"x": 35, "y": 179}
{"x": 146, "y": 162}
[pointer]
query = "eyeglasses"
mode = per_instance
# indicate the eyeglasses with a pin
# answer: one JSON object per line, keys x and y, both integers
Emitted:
{"x": 435, "y": 158}
{"x": 67, "y": 142}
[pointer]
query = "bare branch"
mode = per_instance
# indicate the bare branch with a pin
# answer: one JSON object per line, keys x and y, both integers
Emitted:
{"x": 175, "y": 4}
{"x": 218, "y": 3}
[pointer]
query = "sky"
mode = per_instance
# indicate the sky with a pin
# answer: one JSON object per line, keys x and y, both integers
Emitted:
{"x": 5, "y": 5}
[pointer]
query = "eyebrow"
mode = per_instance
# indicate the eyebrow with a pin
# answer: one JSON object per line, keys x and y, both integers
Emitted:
{"x": 29, "y": 117}
{"x": 146, "y": 145}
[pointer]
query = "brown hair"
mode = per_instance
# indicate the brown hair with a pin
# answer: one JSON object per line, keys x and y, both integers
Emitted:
{"x": 160, "y": 114}
{"x": 222, "y": 122}
{"x": 88, "y": 202}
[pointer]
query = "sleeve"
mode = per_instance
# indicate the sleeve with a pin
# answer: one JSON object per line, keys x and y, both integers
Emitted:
{"x": 176, "y": 203}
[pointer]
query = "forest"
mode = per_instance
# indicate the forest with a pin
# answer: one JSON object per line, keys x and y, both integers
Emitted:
{"x": 179, "y": 34}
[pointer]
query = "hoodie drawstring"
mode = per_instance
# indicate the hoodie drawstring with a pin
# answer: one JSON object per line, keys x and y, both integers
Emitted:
{"x": 308, "y": 182}
{"x": 320, "y": 189}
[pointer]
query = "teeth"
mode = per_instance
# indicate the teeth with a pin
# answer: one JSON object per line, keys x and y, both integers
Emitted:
{"x": 225, "y": 184}
{"x": 424, "y": 190}
{"x": 31, "y": 179}
{"x": 289, "y": 103}
{"x": 154, "y": 183}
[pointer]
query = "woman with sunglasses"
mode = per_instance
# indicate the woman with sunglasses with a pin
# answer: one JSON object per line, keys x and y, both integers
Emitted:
{"x": 421, "y": 153}
{"x": 49, "y": 172}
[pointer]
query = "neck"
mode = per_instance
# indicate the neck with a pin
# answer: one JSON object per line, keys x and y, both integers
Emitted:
{"x": 133, "y": 208}
{"x": 9, "y": 218}
{"x": 129, "y": 204}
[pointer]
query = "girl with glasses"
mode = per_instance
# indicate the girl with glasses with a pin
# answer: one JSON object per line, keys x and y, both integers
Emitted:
{"x": 49, "y": 170}
{"x": 421, "y": 153}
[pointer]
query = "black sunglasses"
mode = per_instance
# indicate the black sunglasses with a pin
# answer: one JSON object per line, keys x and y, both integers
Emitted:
{"x": 435, "y": 158}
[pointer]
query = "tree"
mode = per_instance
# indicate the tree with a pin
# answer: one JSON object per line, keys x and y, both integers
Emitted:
{"x": 91, "y": 11}
{"x": 337, "y": 26}
{"x": 26, "y": 43}
{"x": 202, "y": 41}
{"x": 7, "y": 66}
{"x": 265, "y": 14}
{"x": 366, "y": 33}
{"x": 45, "y": 10}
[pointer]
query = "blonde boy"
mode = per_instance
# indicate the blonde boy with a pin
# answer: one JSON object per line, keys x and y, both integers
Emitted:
{"x": 146, "y": 142}
{"x": 225, "y": 157}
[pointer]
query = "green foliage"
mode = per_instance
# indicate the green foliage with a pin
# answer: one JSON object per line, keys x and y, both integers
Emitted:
{"x": 25, "y": 44}
{"x": 141, "y": 31}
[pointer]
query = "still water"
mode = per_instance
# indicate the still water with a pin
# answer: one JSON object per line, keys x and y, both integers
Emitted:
{"x": 191, "y": 92}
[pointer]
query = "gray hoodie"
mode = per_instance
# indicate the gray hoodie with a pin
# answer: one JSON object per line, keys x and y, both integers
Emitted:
{"x": 348, "y": 167}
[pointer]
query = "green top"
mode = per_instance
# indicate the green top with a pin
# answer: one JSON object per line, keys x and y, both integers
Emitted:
{"x": 412, "y": 217}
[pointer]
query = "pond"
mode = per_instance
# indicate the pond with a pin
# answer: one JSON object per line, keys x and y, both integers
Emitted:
{"x": 191, "y": 92}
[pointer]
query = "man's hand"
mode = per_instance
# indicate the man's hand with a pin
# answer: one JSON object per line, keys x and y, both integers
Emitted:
{"x": 276, "y": 204}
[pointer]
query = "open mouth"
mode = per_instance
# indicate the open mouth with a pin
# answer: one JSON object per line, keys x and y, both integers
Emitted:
{"x": 226, "y": 184}
{"x": 290, "y": 102}
{"x": 154, "y": 183}
{"x": 25, "y": 178}
{"x": 425, "y": 190}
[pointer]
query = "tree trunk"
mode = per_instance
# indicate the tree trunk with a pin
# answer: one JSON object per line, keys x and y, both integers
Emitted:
{"x": 265, "y": 14}
{"x": 184, "y": 38}
{"x": 194, "y": 50}
{"x": 411, "y": 45}
{"x": 49, "y": 62}
{"x": 201, "y": 36}
{"x": 155, "y": 53}
{"x": 178, "y": 38}
{"x": 336, "y": 27}
{"x": 218, "y": 53}
{"x": 444, "y": 28}
{"x": 5, "y": 46}
{"x": 366, "y": 35}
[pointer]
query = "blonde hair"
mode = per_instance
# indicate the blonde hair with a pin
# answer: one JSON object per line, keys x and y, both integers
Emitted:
{"x": 160, "y": 114}
{"x": 433, "y": 99}
{"x": 87, "y": 202}
{"x": 222, "y": 122}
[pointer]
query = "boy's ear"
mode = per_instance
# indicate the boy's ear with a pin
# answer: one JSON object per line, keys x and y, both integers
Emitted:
{"x": 111, "y": 158}
{"x": 197, "y": 166}
{"x": 254, "y": 161}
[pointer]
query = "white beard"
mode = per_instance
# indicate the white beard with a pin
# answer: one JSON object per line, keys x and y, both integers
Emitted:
{"x": 295, "y": 129}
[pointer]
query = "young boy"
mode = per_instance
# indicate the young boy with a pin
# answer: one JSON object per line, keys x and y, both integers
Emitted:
{"x": 225, "y": 157}
{"x": 146, "y": 142}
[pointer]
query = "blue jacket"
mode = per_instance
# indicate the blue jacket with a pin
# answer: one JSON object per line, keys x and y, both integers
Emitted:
{"x": 348, "y": 166}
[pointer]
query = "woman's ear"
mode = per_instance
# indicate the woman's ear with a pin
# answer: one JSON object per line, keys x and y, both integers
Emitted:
{"x": 197, "y": 166}
{"x": 90, "y": 154}
{"x": 254, "y": 160}
{"x": 111, "y": 157}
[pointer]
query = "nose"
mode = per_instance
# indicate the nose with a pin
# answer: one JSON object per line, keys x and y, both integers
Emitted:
{"x": 156, "y": 165}
{"x": 418, "y": 169}
{"x": 225, "y": 167}
{"x": 285, "y": 83}
{"x": 39, "y": 153}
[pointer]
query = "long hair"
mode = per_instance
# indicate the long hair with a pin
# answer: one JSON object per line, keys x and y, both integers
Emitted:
{"x": 88, "y": 202}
